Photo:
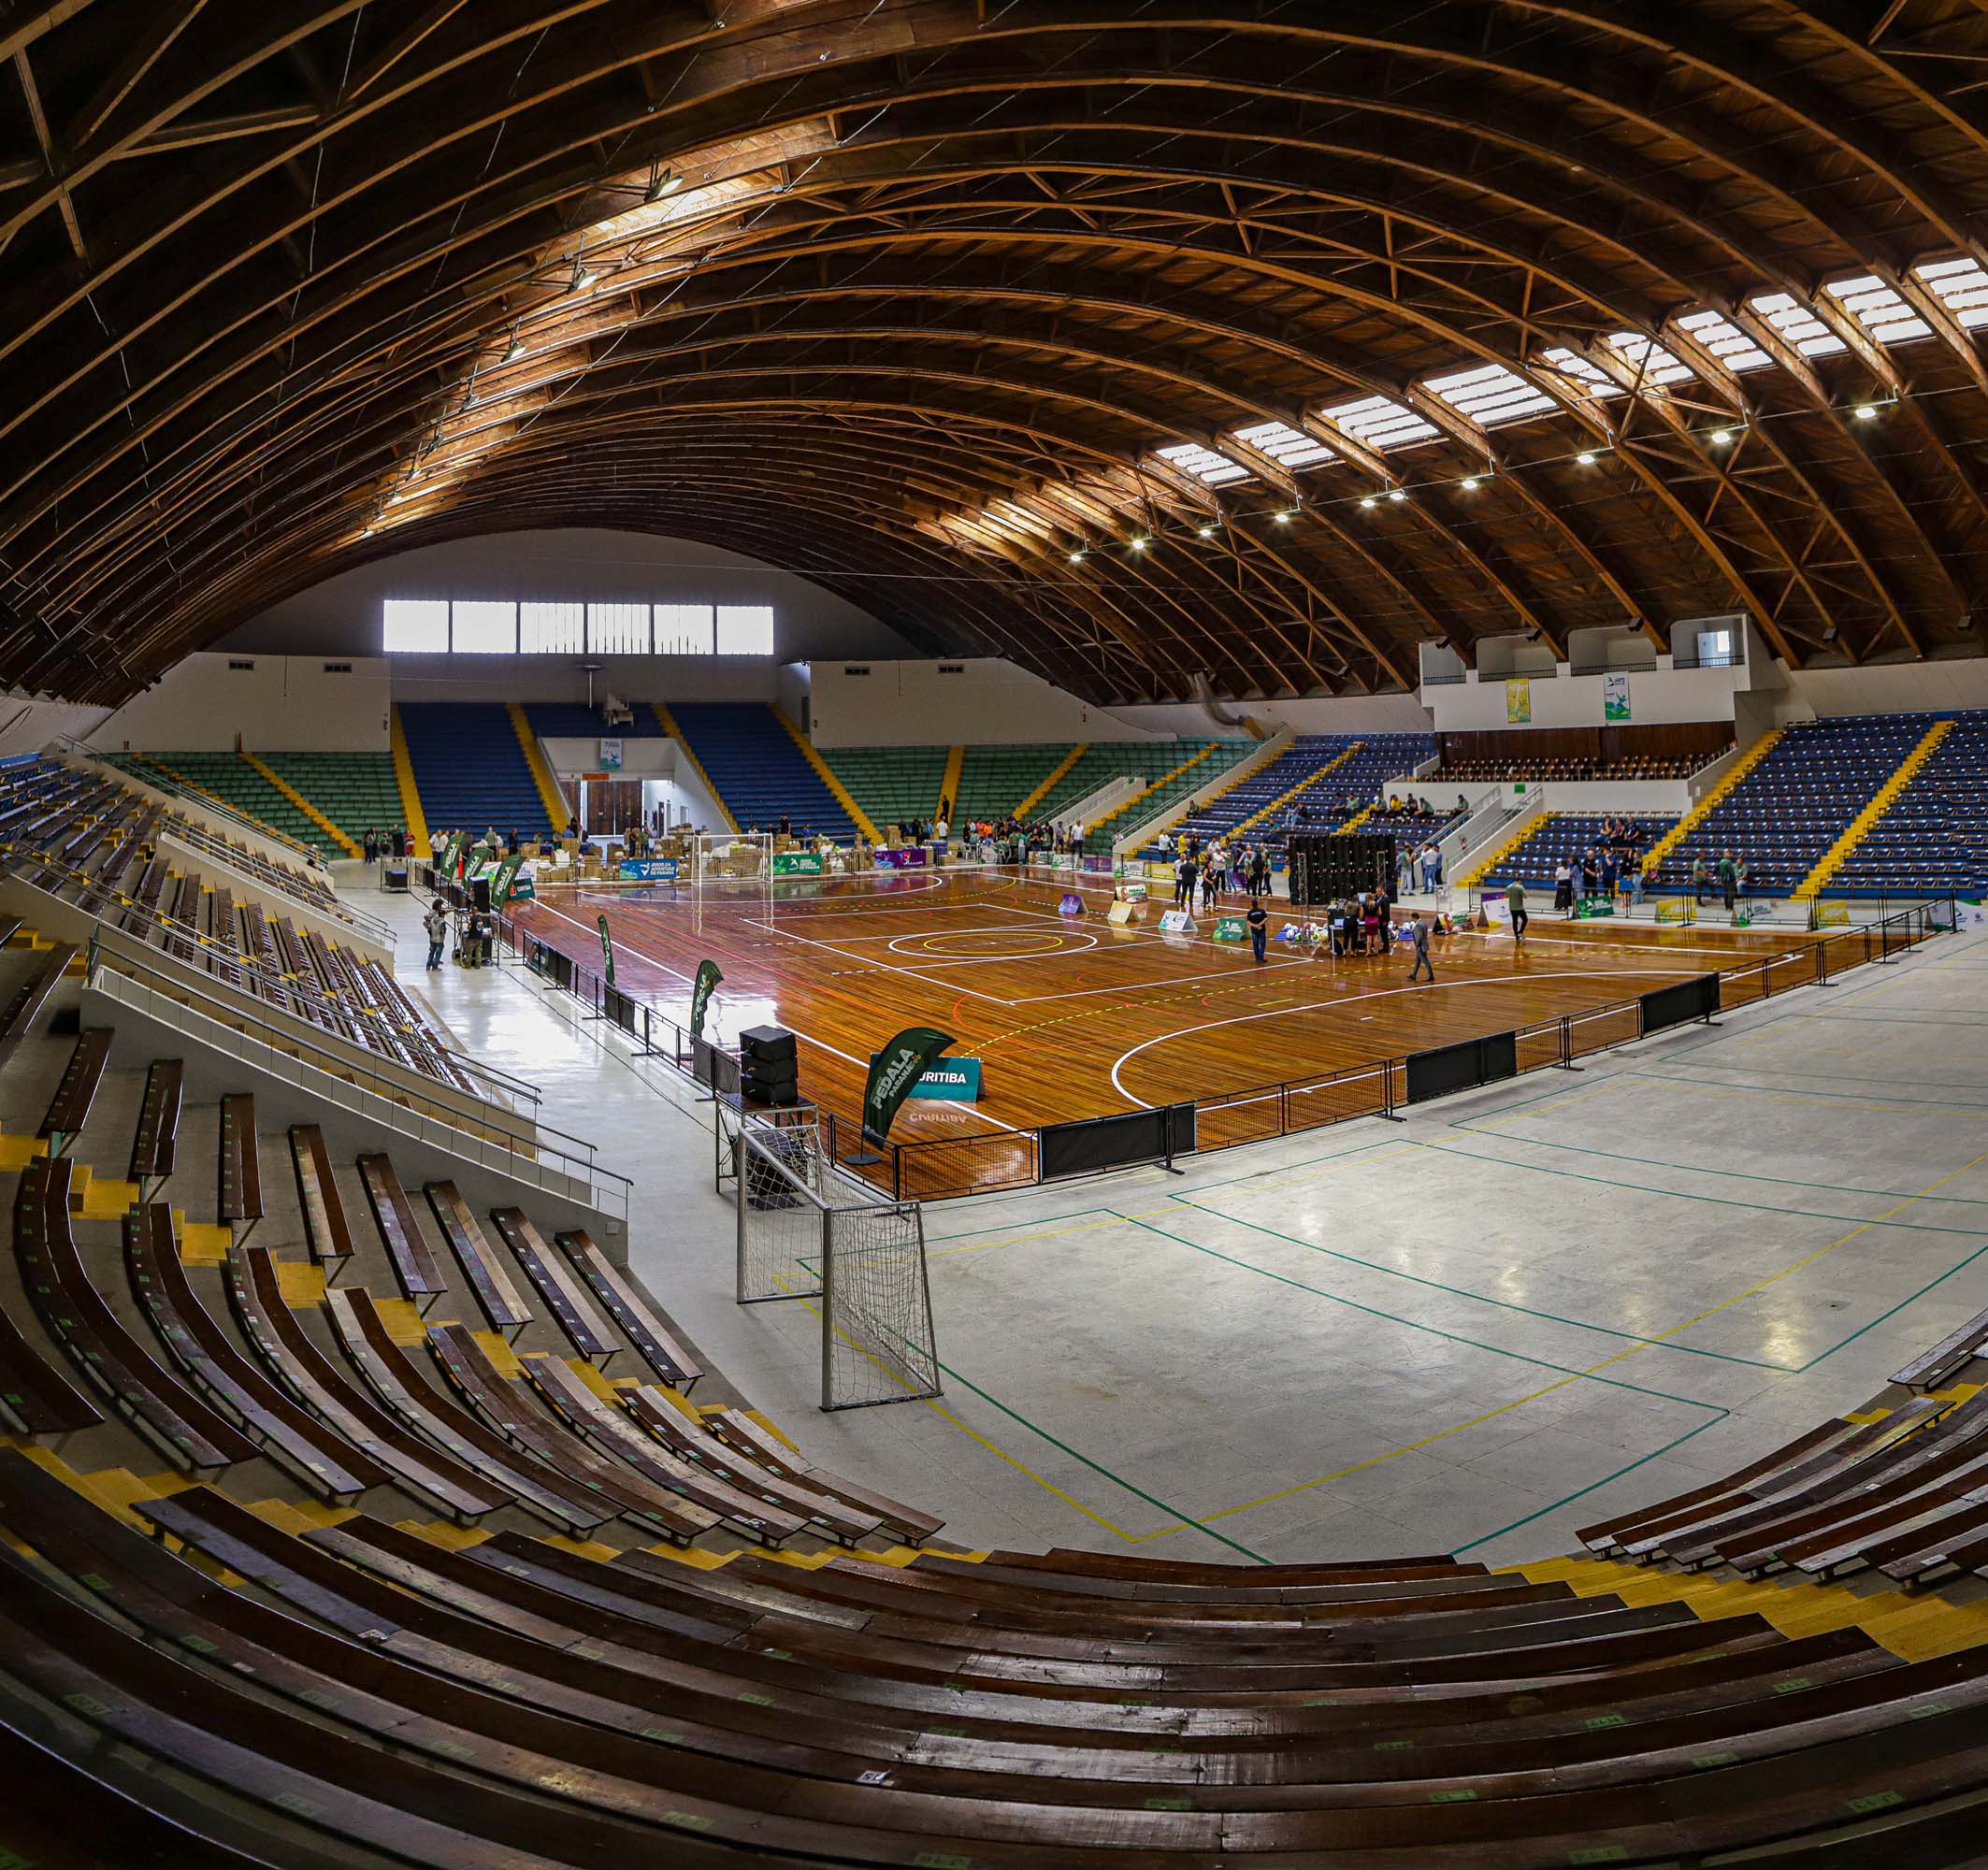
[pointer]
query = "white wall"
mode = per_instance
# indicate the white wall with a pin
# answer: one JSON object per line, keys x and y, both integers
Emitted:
{"x": 1656, "y": 696}
{"x": 989, "y": 702}
{"x": 342, "y": 614}
{"x": 27, "y": 724}
{"x": 1891, "y": 688}
{"x": 277, "y": 704}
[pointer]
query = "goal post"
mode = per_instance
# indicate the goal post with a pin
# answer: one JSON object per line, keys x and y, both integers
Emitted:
{"x": 807, "y": 1231}
{"x": 732, "y": 871}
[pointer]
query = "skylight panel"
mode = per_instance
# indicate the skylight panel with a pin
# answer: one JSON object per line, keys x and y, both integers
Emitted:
{"x": 682, "y": 630}
{"x": 414, "y": 625}
{"x": 1381, "y": 424}
{"x": 746, "y": 629}
{"x": 1961, "y": 286}
{"x": 482, "y": 627}
{"x": 1878, "y": 309}
{"x": 617, "y": 629}
{"x": 1800, "y": 326}
{"x": 1491, "y": 395}
{"x": 1651, "y": 360}
{"x": 1286, "y": 446}
{"x": 552, "y": 629}
{"x": 1205, "y": 463}
{"x": 1590, "y": 377}
{"x": 1725, "y": 340}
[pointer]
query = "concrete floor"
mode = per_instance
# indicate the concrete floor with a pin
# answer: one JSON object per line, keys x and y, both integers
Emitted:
{"x": 1518, "y": 1313}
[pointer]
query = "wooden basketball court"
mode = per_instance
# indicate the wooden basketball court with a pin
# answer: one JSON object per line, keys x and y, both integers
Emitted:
{"x": 1072, "y": 1017}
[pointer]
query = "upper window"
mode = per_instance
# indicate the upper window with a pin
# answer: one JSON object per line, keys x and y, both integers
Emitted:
{"x": 483, "y": 628}
{"x": 552, "y": 629}
{"x": 617, "y": 629}
{"x": 746, "y": 629}
{"x": 682, "y": 629}
{"x": 415, "y": 626}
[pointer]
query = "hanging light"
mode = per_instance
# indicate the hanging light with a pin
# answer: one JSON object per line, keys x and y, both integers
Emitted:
{"x": 584, "y": 274}
{"x": 1139, "y": 543}
{"x": 1397, "y": 493}
{"x": 1076, "y": 557}
{"x": 1470, "y": 482}
{"x": 1282, "y": 516}
{"x": 515, "y": 349}
{"x": 1586, "y": 457}
{"x": 1722, "y": 437}
{"x": 1366, "y": 500}
{"x": 1865, "y": 411}
{"x": 1207, "y": 532}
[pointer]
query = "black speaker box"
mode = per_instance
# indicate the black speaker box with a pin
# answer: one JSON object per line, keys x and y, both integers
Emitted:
{"x": 767, "y": 1044}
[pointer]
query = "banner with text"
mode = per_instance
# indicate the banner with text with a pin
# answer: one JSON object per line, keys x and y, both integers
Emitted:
{"x": 892, "y": 1074}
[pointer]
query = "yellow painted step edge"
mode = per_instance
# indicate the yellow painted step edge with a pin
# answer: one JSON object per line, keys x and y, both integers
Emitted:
{"x": 411, "y": 815}
{"x": 1055, "y": 779}
{"x": 557, "y": 813}
{"x": 669, "y": 725}
{"x": 823, "y": 772}
{"x": 353, "y": 846}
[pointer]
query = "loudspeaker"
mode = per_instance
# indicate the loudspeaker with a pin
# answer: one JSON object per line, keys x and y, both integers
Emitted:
{"x": 770, "y": 1044}
{"x": 480, "y": 890}
{"x": 1323, "y": 868}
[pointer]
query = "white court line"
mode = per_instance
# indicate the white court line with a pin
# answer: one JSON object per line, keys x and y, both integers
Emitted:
{"x": 848, "y": 1057}
{"x": 1327, "y": 1005}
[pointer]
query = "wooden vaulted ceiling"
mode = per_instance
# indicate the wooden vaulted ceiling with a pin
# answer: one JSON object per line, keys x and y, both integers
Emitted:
{"x": 908, "y": 295}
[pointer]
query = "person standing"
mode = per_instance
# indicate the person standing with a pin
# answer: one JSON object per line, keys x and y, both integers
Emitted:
{"x": 1728, "y": 879}
{"x": 1564, "y": 887}
{"x": 1701, "y": 881}
{"x": 1184, "y": 884}
{"x": 1419, "y": 935}
{"x": 436, "y": 922}
{"x": 1259, "y": 920}
{"x": 1515, "y": 902}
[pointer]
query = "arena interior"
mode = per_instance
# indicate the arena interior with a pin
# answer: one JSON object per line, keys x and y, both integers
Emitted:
{"x": 993, "y": 934}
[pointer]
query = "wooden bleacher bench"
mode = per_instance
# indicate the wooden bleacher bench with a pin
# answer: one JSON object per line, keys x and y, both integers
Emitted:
{"x": 506, "y": 1409}
{"x": 495, "y": 1293}
{"x": 622, "y": 1302}
{"x": 745, "y": 1436}
{"x": 17, "y": 1018}
{"x": 562, "y": 1295}
{"x": 445, "y": 1425}
{"x": 1933, "y": 1366}
{"x": 416, "y": 1270}
{"x": 155, "y": 1140}
{"x": 240, "y": 1196}
{"x": 278, "y": 1336}
{"x": 327, "y": 1233}
{"x": 688, "y": 1441}
{"x": 606, "y": 1429}
{"x": 329, "y": 1466}
{"x": 69, "y": 1109}
{"x": 156, "y": 1403}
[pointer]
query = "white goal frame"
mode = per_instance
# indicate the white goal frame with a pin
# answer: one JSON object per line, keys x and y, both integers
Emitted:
{"x": 731, "y": 871}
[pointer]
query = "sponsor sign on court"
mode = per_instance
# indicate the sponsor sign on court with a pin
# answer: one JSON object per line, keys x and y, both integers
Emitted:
{"x": 906, "y": 857}
{"x": 1072, "y": 904}
{"x": 1231, "y": 929}
{"x": 1130, "y": 892}
{"x": 1123, "y": 913}
{"x": 647, "y": 870}
{"x": 796, "y": 863}
{"x": 1177, "y": 922}
{"x": 956, "y": 1079}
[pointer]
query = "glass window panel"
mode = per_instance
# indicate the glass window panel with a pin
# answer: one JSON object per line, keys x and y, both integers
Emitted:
{"x": 682, "y": 629}
{"x": 746, "y": 629}
{"x": 552, "y": 629}
{"x": 414, "y": 626}
{"x": 480, "y": 628}
{"x": 617, "y": 629}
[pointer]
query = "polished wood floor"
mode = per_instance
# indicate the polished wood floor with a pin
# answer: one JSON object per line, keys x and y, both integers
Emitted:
{"x": 1072, "y": 1017}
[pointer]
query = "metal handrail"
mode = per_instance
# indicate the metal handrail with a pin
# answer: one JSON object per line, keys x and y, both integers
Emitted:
{"x": 539, "y": 1140}
{"x": 181, "y": 789}
{"x": 279, "y": 987}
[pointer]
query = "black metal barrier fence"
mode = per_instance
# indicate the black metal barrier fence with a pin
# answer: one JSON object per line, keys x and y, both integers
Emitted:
{"x": 1018, "y": 1158}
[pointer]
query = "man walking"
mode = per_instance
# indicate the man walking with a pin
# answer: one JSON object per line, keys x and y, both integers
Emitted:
{"x": 436, "y": 924}
{"x": 1421, "y": 932}
{"x": 1515, "y": 902}
{"x": 1259, "y": 920}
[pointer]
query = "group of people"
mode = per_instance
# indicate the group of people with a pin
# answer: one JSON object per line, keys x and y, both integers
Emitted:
{"x": 1420, "y": 866}
{"x": 1216, "y": 867}
{"x": 1612, "y": 866}
{"x": 380, "y": 845}
{"x": 1729, "y": 874}
{"x": 476, "y": 934}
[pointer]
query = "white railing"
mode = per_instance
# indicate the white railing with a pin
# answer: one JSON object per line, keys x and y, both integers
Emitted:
{"x": 1149, "y": 827}
{"x": 545, "y": 1158}
{"x": 1494, "y": 817}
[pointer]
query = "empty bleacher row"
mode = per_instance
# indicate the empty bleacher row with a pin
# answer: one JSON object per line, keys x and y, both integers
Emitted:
{"x": 996, "y": 781}
{"x": 758, "y": 772}
{"x": 1299, "y": 765}
{"x": 91, "y": 842}
{"x": 1933, "y": 838}
{"x": 1787, "y": 812}
{"x": 470, "y": 770}
{"x": 893, "y": 785}
{"x": 1534, "y": 769}
{"x": 356, "y": 791}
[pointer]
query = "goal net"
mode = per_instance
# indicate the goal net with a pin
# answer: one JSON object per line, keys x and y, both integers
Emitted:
{"x": 807, "y": 1231}
{"x": 731, "y": 873}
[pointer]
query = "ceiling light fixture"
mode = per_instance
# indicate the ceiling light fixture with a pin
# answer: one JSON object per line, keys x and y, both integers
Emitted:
{"x": 584, "y": 274}
{"x": 1397, "y": 493}
{"x": 1282, "y": 516}
{"x": 1139, "y": 543}
{"x": 1865, "y": 411}
{"x": 662, "y": 181}
{"x": 515, "y": 349}
{"x": 1076, "y": 557}
{"x": 1722, "y": 437}
{"x": 1469, "y": 481}
{"x": 1207, "y": 532}
{"x": 1586, "y": 457}
{"x": 1367, "y": 500}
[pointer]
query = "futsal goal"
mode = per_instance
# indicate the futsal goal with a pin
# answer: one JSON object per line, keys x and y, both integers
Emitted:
{"x": 806, "y": 1231}
{"x": 732, "y": 873}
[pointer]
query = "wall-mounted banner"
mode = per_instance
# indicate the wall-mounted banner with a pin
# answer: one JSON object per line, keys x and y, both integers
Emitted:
{"x": 892, "y": 1074}
{"x": 911, "y": 858}
{"x": 956, "y": 1079}
{"x": 1615, "y": 695}
{"x": 607, "y": 950}
{"x": 611, "y": 753}
{"x": 798, "y": 863}
{"x": 700, "y": 991}
{"x": 1072, "y": 904}
{"x": 1517, "y": 700}
{"x": 647, "y": 870}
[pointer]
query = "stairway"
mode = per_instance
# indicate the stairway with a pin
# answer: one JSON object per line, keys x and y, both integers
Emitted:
{"x": 470, "y": 770}
{"x": 1736, "y": 775}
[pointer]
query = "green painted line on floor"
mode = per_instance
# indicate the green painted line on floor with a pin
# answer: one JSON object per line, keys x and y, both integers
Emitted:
{"x": 1956, "y": 1105}
{"x": 1580, "y": 1492}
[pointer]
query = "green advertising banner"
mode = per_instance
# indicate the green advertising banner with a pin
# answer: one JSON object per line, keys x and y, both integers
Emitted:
{"x": 607, "y": 950}
{"x": 700, "y": 990}
{"x": 796, "y": 863}
{"x": 506, "y": 877}
{"x": 893, "y": 1071}
{"x": 448, "y": 852}
{"x": 1231, "y": 929}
